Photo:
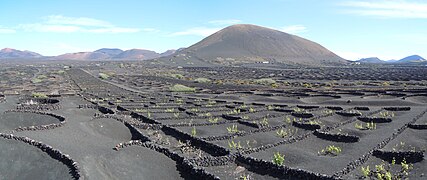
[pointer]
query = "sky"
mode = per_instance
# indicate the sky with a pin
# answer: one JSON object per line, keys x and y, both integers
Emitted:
{"x": 353, "y": 29}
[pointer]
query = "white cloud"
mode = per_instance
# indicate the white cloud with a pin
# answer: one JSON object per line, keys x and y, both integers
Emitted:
{"x": 294, "y": 29}
{"x": 49, "y": 28}
{"x": 79, "y": 21}
{"x": 197, "y": 31}
{"x": 6, "y": 31}
{"x": 225, "y": 22}
{"x": 61, "y": 24}
{"x": 387, "y": 9}
{"x": 112, "y": 30}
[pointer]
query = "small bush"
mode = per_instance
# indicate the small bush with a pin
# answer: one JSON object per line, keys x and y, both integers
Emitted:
{"x": 177, "y": 76}
{"x": 213, "y": 120}
{"x": 264, "y": 122}
{"x": 265, "y": 81}
{"x": 60, "y": 72}
{"x": 278, "y": 159}
{"x": 194, "y": 131}
{"x": 41, "y": 76}
{"x": 232, "y": 129}
{"x": 181, "y": 88}
{"x": 202, "y": 80}
{"x": 36, "y": 80}
{"x": 285, "y": 132}
{"x": 39, "y": 95}
{"x": 365, "y": 171}
{"x": 384, "y": 171}
{"x": 331, "y": 150}
{"x": 103, "y": 76}
{"x": 234, "y": 145}
{"x": 369, "y": 126}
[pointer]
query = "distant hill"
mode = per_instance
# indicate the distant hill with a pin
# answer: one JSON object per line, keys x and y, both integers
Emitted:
{"x": 100, "y": 54}
{"x": 114, "y": 54}
{"x": 82, "y": 56}
{"x": 251, "y": 44}
{"x": 412, "y": 59}
{"x": 109, "y": 51}
{"x": 141, "y": 54}
{"x": 13, "y": 53}
{"x": 371, "y": 60}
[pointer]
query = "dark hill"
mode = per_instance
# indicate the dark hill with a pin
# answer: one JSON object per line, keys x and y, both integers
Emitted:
{"x": 250, "y": 44}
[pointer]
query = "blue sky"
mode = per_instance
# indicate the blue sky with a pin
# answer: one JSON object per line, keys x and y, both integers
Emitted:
{"x": 389, "y": 29}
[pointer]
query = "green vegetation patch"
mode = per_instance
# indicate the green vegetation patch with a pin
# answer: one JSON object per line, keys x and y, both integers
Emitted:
{"x": 265, "y": 81}
{"x": 181, "y": 88}
{"x": 60, "y": 72}
{"x": 177, "y": 76}
{"x": 36, "y": 80}
{"x": 39, "y": 95}
{"x": 103, "y": 76}
{"x": 41, "y": 77}
{"x": 202, "y": 80}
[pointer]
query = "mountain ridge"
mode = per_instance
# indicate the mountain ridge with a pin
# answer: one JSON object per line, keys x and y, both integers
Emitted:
{"x": 13, "y": 53}
{"x": 100, "y": 54}
{"x": 405, "y": 60}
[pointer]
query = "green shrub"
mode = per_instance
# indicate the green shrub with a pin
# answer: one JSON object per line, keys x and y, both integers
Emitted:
{"x": 193, "y": 131}
{"x": 60, "y": 72}
{"x": 232, "y": 129}
{"x": 265, "y": 81}
{"x": 331, "y": 150}
{"x": 365, "y": 171}
{"x": 234, "y": 145}
{"x": 202, "y": 80}
{"x": 278, "y": 159}
{"x": 103, "y": 76}
{"x": 181, "y": 88}
{"x": 36, "y": 80}
{"x": 213, "y": 120}
{"x": 384, "y": 171}
{"x": 41, "y": 77}
{"x": 369, "y": 126}
{"x": 285, "y": 132}
{"x": 177, "y": 76}
{"x": 39, "y": 95}
{"x": 264, "y": 122}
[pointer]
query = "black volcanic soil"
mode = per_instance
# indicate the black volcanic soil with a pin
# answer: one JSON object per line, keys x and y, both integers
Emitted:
{"x": 12, "y": 120}
{"x": 109, "y": 128}
{"x": 91, "y": 143}
{"x": 136, "y": 128}
{"x": 23, "y": 161}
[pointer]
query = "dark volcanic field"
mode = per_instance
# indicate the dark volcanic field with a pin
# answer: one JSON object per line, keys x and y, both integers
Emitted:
{"x": 132, "y": 126}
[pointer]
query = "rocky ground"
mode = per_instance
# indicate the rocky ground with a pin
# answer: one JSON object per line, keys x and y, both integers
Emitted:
{"x": 134, "y": 127}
